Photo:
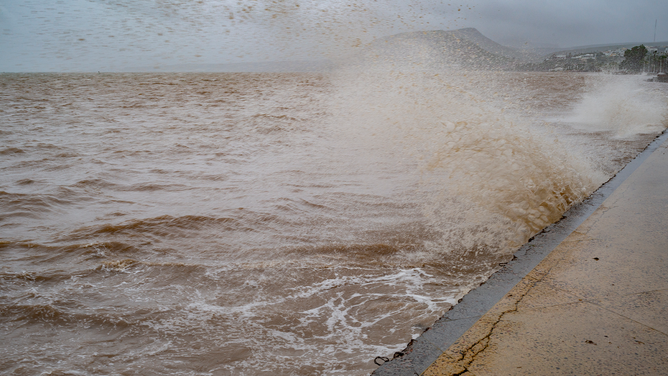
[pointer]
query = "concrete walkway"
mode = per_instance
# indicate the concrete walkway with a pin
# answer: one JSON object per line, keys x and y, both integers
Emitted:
{"x": 596, "y": 305}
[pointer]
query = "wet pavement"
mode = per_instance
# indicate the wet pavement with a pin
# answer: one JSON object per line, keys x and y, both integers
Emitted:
{"x": 593, "y": 301}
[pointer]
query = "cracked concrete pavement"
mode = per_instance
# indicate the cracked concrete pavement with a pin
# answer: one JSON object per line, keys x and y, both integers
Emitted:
{"x": 596, "y": 305}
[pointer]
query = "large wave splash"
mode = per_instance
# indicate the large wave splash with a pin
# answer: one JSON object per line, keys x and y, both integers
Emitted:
{"x": 491, "y": 176}
{"x": 621, "y": 106}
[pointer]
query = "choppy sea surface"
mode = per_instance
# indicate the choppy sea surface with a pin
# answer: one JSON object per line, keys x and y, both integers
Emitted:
{"x": 280, "y": 224}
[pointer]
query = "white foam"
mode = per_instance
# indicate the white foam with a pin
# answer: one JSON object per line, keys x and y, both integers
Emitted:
{"x": 477, "y": 159}
{"x": 623, "y": 105}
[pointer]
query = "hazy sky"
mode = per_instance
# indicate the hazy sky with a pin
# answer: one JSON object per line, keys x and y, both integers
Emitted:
{"x": 107, "y": 35}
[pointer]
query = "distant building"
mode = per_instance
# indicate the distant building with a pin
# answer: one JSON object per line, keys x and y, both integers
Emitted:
{"x": 611, "y": 53}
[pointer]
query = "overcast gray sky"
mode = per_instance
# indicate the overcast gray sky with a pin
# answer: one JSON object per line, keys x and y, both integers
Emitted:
{"x": 108, "y": 35}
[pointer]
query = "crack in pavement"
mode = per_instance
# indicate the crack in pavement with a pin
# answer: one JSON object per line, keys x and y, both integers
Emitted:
{"x": 468, "y": 355}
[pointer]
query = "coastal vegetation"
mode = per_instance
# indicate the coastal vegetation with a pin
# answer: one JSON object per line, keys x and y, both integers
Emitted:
{"x": 634, "y": 59}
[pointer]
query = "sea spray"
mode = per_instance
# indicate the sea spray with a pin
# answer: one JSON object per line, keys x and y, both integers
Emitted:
{"x": 267, "y": 223}
{"x": 493, "y": 179}
{"x": 622, "y": 106}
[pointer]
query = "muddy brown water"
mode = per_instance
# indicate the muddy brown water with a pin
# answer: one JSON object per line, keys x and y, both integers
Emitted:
{"x": 280, "y": 224}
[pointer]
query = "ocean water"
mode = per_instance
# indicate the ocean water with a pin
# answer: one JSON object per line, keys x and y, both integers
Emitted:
{"x": 275, "y": 223}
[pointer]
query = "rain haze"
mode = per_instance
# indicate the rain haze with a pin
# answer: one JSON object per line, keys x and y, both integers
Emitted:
{"x": 111, "y": 35}
{"x": 292, "y": 187}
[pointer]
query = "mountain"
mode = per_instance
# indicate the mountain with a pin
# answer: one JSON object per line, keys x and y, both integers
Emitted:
{"x": 463, "y": 48}
{"x": 474, "y": 36}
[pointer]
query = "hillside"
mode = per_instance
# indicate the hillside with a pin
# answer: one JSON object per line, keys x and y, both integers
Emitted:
{"x": 463, "y": 48}
{"x": 474, "y": 36}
